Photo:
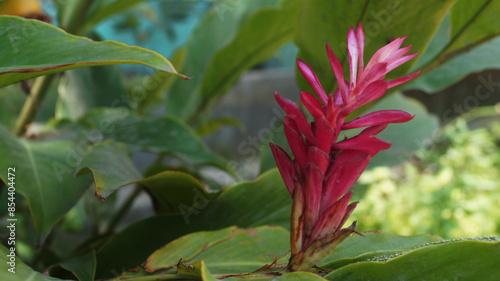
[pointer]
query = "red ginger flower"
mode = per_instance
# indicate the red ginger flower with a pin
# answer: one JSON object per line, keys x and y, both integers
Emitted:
{"x": 323, "y": 170}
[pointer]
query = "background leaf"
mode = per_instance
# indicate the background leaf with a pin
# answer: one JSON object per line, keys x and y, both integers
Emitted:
{"x": 256, "y": 41}
{"x": 472, "y": 23}
{"x": 44, "y": 176}
{"x": 59, "y": 51}
{"x": 375, "y": 243}
{"x": 175, "y": 192}
{"x": 154, "y": 134}
{"x": 329, "y": 21}
{"x": 83, "y": 89}
{"x": 467, "y": 260}
{"x": 82, "y": 267}
{"x": 216, "y": 29}
{"x": 110, "y": 166}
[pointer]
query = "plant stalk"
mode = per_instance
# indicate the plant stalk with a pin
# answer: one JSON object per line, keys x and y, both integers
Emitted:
{"x": 33, "y": 103}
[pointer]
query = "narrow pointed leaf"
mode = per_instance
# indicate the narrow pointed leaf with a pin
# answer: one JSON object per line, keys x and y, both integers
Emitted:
{"x": 247, "y": 50}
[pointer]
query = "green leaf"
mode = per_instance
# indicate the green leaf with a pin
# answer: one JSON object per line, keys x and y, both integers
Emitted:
{"x": 103, "y": 9}
{"x": 175, "y": 192}
{"x": 44, "y": 176}
{"x": 257, "y": 40}
{"x": 210, "y": 126}
{"x": 250, "y": 204}
{"x": 86, "y": 88}
{"x": 462, "y": 260}
{"x": 472, "y": 23}
{"x": 355, "y": 248}
{"x": 82, "y": 267}
{"x": 58, "y": 51}
{"x": 324, "y": 22}
{"x": 22, "y": 271}
{"x": 11, "y": 102}
{"x": 227, "y": 251}
{"x": 110, "y": 166}
{"x": 154, "y": 134}
{"x": 215, "y": 30}
{"x": 483, "y": 57}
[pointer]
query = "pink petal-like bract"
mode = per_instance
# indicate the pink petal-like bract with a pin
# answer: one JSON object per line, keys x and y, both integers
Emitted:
{"x": 324, "y": 168}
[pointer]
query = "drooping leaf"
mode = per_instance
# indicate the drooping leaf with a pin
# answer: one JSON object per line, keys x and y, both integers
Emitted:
{"x": 110, "y": 166}
{"x": 175, "y": 192}
{"x": 467, "y": 260}
{"x": 257, "y": 40}
{"x": 154, "y": 134}
{"x": 356, "y": 247}
{"x": 249, "y": 204}
{"x": 216, "y": 29}
{"x": 44, "y": 176}
{"x": 324, "y": 22}
{"x": 227, "y": 251}
{"x": 58, "y": 51}
{"x": 22, "y": 272}
{"x": 82, "y": 267}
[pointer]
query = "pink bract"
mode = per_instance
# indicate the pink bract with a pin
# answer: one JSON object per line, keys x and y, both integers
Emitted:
{"x": 323, "y": 169}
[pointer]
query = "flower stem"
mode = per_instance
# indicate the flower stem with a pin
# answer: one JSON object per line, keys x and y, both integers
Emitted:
{"x": 33, "y": 103}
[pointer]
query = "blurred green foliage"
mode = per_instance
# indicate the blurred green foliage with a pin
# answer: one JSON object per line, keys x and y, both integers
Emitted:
{"x": 450, "y": 188}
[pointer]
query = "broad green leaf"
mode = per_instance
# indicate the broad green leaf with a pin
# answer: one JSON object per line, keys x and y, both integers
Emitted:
{"x": 257, "y": 40}
{"x": 215, "y": 30}
{"x": 58, "y": 51}
{"x": 324, "y": 22}
{"x": 462, "y": 260}
{"x": 175, "y": 192}
{"x": 44, "y": 176}
{"x": 86, "y": 88}
{"x": 82, "y": 267}
{"x": 110, "y": 166}
{"x": 227, "y": 251}
{"x": 472, "y": 23}
{"x": 250, "y": 204}
{"x": 22, "y": 272}
{"x": 154, "y": 134}
{"x": 375, "y": 243}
